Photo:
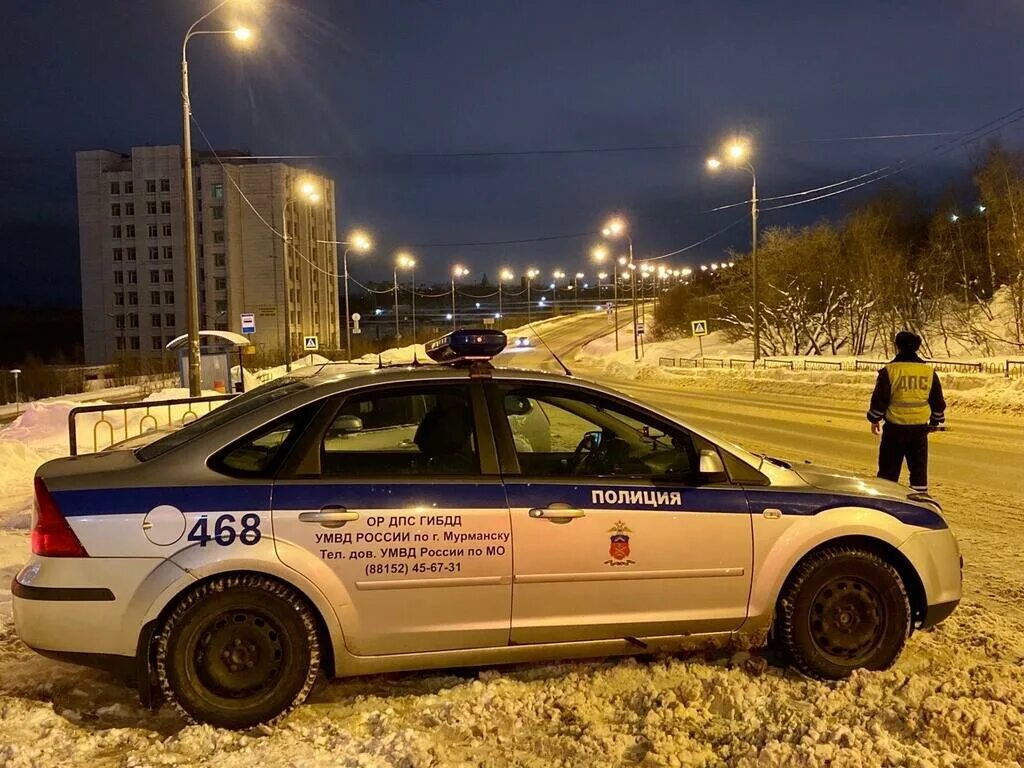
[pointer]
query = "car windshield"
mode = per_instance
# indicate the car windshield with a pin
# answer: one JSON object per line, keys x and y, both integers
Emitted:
{"x": 242, "y": 404}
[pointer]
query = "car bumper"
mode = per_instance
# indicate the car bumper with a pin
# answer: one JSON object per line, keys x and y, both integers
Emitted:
{"x": 80, "y": 606}
{"x": 936, "y": 557}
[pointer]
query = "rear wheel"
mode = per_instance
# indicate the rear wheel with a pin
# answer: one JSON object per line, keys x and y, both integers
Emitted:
{"x": 844, "y": 609}
{"x": 238, "y": 651}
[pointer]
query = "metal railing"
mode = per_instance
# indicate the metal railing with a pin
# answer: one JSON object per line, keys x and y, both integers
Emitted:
{"x": 822, "y": 365}
{"x": 773, "y": 363}
{"x": 868, "y": 364}
{"x": 1014, "y": 368}
{"x": 152, "y": 417}
{"x": 716, "y": 362}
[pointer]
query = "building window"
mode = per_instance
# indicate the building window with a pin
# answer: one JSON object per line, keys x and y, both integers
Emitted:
{"x": 115, "y": 209}
{"x": 220, "y": 284}
{"x": 154, "y": 277}
{"x": 133, "y": 342}
{"x": 151, "y": 207}
{"x": 168, "y": 297}
{"x": 129, "y": 188}
{"x": 218, "y": 236}
{"x": 165, "y": 206}
{"x": 168, "y": 275}
{"x": 151, "y": 230}
{"x": 118, "y": 278}
{"x": 165, "y": 185}
{"x": 165, "y": 230}
{"x": 120, "y": 343}
{"x": 219, "y": 260}
{"x": 133, "y": 320}
{"x": 154, "y": 252}
{"x": 157, "y": 344}
{"x": 119, "y": 321}
{"x": 133, "y": 276}
{"x": 221, "y": 305}
{"x": 129, "y": 230}
{"x": 133, "y": 299}
{"x": 154, "y": 297}
{"x": 115, "y": 188}
{"x": 217, "y": 212}
{"x": 129, "y": 209}
{"x": 169, "y": 320}
{"x": 154, "y": 320}
{"x": 217, "y": 192}
{"x": 130, "y": 253}
{"x": 117, "y": 254}
{"x": 115, "y": 231}
{"x": 118, "y": 299}
{"x": 168, "y": 252}
{"x": 150, "y": 185}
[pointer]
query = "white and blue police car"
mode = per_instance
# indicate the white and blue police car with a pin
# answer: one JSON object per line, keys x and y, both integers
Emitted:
{"x": 455, "y": 514}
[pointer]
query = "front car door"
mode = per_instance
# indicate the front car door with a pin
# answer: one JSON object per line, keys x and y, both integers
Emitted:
{"x": 616, "y": 531}
{"x": 396, "y": 491}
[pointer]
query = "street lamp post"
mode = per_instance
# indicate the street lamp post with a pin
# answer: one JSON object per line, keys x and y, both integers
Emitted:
{"x": 360, "y": 243}
{"x": 405, "y": 261}
{"x": 616, "y": 227}
{"x": 503, "y": 274}
{"x": 576, "y": 287}
{"x": 558, "y": 274}
{"x": 738, "y": 153}
{"x": 530, "y": 274}
{"x": 457, "y": 271}
{"x": 306, "y": 190}
{"x": 191, "y": 263}
{"x": 16, "y": 372}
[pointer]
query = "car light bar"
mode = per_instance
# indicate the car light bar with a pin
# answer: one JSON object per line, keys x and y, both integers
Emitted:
{"x": 466, "y": 346}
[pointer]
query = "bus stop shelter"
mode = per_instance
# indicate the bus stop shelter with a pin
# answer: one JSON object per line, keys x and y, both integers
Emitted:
{"x": 219, "y": 351}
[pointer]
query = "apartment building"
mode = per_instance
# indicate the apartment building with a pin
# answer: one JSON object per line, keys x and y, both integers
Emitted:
{"x": 132, "y": 250}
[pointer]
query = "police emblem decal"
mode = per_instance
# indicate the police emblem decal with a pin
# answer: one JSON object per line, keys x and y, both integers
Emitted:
{"x": 618, "y": 546}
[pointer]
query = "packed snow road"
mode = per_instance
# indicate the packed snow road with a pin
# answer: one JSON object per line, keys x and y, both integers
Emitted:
{"x": 955, "y": 698}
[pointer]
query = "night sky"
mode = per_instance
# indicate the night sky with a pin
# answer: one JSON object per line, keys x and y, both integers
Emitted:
{"x": 417, "y": 109}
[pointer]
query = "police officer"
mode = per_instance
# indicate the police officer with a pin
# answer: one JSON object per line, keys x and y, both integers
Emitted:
{"x": 908, "y": 396}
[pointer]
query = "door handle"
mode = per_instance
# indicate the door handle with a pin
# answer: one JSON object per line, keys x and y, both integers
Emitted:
{"x": 557, "y": 513}
{"x": 329, "y": 517}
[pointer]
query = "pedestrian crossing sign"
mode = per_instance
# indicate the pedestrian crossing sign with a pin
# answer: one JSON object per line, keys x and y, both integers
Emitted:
{"x": 310, "y": 344}
{"x": 700, "y": 327}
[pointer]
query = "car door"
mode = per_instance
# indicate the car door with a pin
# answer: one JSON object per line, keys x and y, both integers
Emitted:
{"x": 395, "y": 497}
{"x": 616, "y": 531}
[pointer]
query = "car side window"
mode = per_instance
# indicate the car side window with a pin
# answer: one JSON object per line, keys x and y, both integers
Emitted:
{"x": 255, "y": 454}
{"x": 559, "y": 433}
{"x": 408, "y": 431}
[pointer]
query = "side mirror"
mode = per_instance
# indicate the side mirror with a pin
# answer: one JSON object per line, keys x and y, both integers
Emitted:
{"x": 516, "y": 405}
{"x": 591, "y": 441}
{"x": 347, "y": 423}
{"x": 711, "y": 463}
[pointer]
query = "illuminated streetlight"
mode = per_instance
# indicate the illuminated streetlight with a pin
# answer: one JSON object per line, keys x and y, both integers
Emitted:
{"x": 738, "y": 152}
{"x": 188, "y": 192}
{"x": 457, "y": 271}
{"x": 503, "y": 275}
{"x": 616, "y": 227}
{"x": 531, "y": 273}
{"x": 405, "y": 260}
{"x": 359, "y": 242}
{"x": 305, "y": 190}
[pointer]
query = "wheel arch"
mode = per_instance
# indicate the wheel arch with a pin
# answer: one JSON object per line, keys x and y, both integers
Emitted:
{"x": 908, "y": 574}
{"x": 328, "y": 625}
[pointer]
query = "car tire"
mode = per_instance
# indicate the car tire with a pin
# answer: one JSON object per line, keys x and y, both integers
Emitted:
{"x": 843, "y": 609}
{"x": 238, "y": 651}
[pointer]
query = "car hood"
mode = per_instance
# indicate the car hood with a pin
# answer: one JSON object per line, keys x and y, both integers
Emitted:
{"x": 845, "y": 482}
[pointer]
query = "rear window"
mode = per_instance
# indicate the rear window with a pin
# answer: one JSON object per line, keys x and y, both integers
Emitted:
{"x": 218, "y": 417}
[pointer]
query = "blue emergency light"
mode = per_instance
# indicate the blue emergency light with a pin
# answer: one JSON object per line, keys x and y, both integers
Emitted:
{"x": 466, "y": 346}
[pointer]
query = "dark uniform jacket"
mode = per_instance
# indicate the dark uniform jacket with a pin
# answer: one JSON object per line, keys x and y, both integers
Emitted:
{"x": 908, "y": 392}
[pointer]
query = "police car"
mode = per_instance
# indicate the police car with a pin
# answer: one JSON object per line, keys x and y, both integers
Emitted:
{"x": 454, "y": 514}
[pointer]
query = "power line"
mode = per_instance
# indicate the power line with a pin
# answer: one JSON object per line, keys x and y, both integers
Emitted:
{"x": 698, "y": 243}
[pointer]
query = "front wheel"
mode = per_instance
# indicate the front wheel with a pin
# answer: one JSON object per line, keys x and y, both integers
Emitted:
{"x": 843, "y": 609}
{"x": 238, "y": 651}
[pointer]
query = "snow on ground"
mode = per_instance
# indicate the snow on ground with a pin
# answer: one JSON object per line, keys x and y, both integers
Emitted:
{"x": 970, "y": 392}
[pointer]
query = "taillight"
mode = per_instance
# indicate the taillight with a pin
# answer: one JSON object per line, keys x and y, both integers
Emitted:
{"x": 51, "y": 535}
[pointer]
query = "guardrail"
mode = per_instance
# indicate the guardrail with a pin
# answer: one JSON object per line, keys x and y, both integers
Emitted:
{"x": 740, "y": 362}
{"x": 778, "y": 363}
{"x": 667, "y": 362}
{"x": 823, "y": 365}
{"x": 859, "y": 364}
{"x": 152, "y": 418}
{"x": 1014, "y": 365}
{"x": 951, "y": 366}
{"x": 716, "y": 362}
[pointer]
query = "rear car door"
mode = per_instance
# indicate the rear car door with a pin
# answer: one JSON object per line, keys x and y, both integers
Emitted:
{"x": 396, "y": 497}
{"x": 616, "y": 531}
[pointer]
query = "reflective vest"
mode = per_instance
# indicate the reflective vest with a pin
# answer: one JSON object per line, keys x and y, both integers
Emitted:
{"x": 909, "y": 386}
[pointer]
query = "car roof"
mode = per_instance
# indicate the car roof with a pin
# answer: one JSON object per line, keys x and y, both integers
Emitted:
{"x": 345, "y": 374}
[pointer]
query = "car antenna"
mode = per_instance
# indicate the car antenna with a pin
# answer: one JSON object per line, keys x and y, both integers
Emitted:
{"x": 550, "y": 350}
{"x": 380, "y": 361}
